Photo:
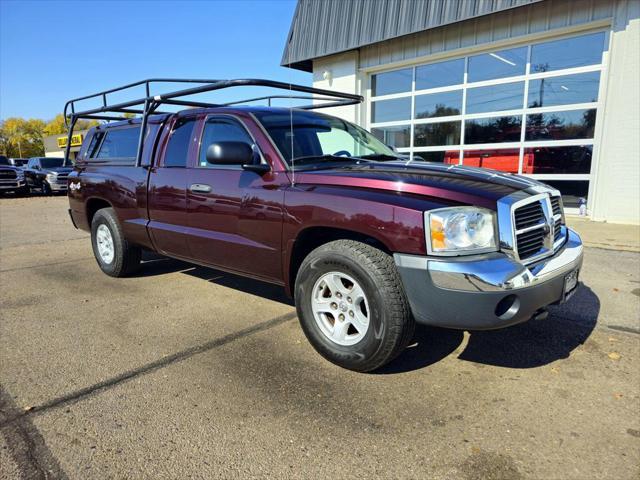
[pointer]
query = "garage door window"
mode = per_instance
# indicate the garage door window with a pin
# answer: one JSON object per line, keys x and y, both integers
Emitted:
{"x": 530, "y": 109}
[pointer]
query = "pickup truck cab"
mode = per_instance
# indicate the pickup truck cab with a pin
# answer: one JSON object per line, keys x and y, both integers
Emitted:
{"x": 365, "y": 241}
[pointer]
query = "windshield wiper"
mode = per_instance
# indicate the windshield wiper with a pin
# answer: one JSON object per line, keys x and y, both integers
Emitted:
{"x": 320, "y": 158}
{"x": 381, "y": 157}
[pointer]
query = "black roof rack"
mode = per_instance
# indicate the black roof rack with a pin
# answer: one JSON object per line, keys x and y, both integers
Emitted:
{"x": 149, "y": 104}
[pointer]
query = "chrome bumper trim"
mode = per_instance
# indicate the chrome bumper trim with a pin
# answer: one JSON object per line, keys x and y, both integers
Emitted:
{"x": 495, "y": 272}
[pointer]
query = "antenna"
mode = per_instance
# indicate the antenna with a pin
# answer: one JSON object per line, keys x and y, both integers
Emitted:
{"x": 293, "y": 166}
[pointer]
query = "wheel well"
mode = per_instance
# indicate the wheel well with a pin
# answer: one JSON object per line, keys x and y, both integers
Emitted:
{"x": 311, "y": 238}
{"x": 93, "y": 205}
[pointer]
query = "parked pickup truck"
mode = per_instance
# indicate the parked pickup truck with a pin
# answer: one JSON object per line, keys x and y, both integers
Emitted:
{"x": 47, "y": 174}
{"x": 365, "y": 241}
{"x": 12, "y": 178}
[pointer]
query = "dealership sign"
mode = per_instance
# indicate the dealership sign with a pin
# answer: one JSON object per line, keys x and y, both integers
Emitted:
{"x": 76, "y": 140}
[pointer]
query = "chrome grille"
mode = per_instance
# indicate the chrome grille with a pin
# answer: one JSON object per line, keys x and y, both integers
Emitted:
{"x": 529, "y": 215}
{"x": 531, "y": 228}
{"x": 61, "y": 178}
{"x": 8, "y": 174}
{"x": 530, "y": 243}
{"x": 557, "y": 230}
{"x": 539, "y": 227}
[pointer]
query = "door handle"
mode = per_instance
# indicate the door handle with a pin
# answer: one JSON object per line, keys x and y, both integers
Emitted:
{"x": 200, "y": 188}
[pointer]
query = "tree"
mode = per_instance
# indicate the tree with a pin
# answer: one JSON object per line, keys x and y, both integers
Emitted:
{"x": 21, "y": 138}
{"x": 56, "y": 126}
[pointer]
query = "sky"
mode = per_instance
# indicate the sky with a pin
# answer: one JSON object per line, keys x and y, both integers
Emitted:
{"x": 52, "y": 51}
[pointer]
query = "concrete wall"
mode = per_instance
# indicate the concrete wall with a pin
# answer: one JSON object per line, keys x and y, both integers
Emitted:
{"x": 614, "y": 194}
{"x": 616, "y": 191}
{"x": 339, "y": 73}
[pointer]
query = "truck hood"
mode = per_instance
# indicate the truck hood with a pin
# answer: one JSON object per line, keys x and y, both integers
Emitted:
{"x": 459, "y": 184}
{"x": 57, "y": 170}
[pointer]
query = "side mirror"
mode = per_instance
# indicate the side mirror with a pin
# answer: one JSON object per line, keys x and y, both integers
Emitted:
{"x": 236, "y": 153}
{"x": 229, "y": 153}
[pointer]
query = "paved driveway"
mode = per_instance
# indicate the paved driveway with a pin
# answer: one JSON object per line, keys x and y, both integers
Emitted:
{"x": 185, "y": 372}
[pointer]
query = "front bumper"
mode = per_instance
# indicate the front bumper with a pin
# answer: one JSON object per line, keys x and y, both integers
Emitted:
{"x": 484, "y": 292}
{"x": 58, "y": 185}
{"x": 10, "y": 185}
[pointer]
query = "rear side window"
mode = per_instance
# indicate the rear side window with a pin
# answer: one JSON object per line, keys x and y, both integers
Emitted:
{"x": 179, "y": 141}
{"x": 92, "y": 149}
{"x": 120, "y": 144}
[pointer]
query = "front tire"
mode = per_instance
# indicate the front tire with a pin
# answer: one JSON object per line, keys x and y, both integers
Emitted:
{"x": 352, "y": 306}
{"x": 46, "y": 188}
{"x": 115, "y": 255}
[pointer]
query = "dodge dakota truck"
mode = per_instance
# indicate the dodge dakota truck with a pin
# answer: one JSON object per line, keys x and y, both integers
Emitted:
{"x": 365, "y": 241}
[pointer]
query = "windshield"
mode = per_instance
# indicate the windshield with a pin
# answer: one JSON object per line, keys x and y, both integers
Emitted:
{"x": 320, "y": 139}
{"x": 49, "y": 162}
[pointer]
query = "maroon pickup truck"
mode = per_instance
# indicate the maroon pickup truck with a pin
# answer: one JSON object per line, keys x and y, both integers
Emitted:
{"x": 366, "y": 241}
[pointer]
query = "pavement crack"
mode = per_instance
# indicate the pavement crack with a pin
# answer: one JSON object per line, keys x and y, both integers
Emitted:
{"x": 44, "y": 265}
{"x": 622, "y": 328}
{"x": 25, "y": 443}
{"x": 72, "y": 397}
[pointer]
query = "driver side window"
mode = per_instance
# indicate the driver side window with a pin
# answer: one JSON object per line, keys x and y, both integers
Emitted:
{"x": 221, "y": 129}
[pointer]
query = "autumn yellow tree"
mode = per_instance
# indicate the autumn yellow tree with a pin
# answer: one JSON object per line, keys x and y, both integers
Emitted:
{"x": 21, "y": 138}
{"x": 56, "y": 126}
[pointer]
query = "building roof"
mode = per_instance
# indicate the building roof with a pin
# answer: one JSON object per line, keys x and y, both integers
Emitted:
{"x": 326, "y": 27}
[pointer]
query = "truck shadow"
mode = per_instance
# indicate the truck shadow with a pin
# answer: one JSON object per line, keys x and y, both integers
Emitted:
{"x": 154, "y": 264}
{"x": 527, "y": 345}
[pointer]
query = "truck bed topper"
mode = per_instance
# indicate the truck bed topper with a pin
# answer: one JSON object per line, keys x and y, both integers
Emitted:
{"x": 150, "y": 103}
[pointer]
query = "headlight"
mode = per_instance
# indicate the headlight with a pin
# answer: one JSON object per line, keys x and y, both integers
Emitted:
{"x": 51, "y": 176}
{"x": 460, "y": 231}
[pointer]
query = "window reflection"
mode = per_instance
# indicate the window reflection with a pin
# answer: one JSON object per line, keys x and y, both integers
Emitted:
{"x": 507, "y": 96}
{"x": 451, "y": 157}
{"x": 561, "y": 125}
{"x": 505, "y": 159}
{"x": 391, "y": 110}
{"x": 445, "y": 133}
{"x": 440, "y": 74}
{"x": 567, "y": 53}
{"x": 492, "y": 130}
{"x": 439, "y": 104}
{"x": 398, "y": 137}
{"x": 505, "y": 63}
{"x": 572, "y": 191}
{"x": 397, "y": 81}
{"x": 580, "y": 88}
{"x": 553, "y": 160}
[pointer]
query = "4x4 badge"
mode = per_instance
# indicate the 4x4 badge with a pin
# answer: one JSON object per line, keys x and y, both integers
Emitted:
{"x": 74, "y": 186}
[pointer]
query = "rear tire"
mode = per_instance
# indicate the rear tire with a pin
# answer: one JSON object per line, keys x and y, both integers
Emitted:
{"x": 331, "y": 279}
{"x": 115, "y": 255}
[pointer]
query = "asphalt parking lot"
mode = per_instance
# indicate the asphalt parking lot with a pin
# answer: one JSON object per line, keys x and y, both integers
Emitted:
{"x": 185, "y": 372}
